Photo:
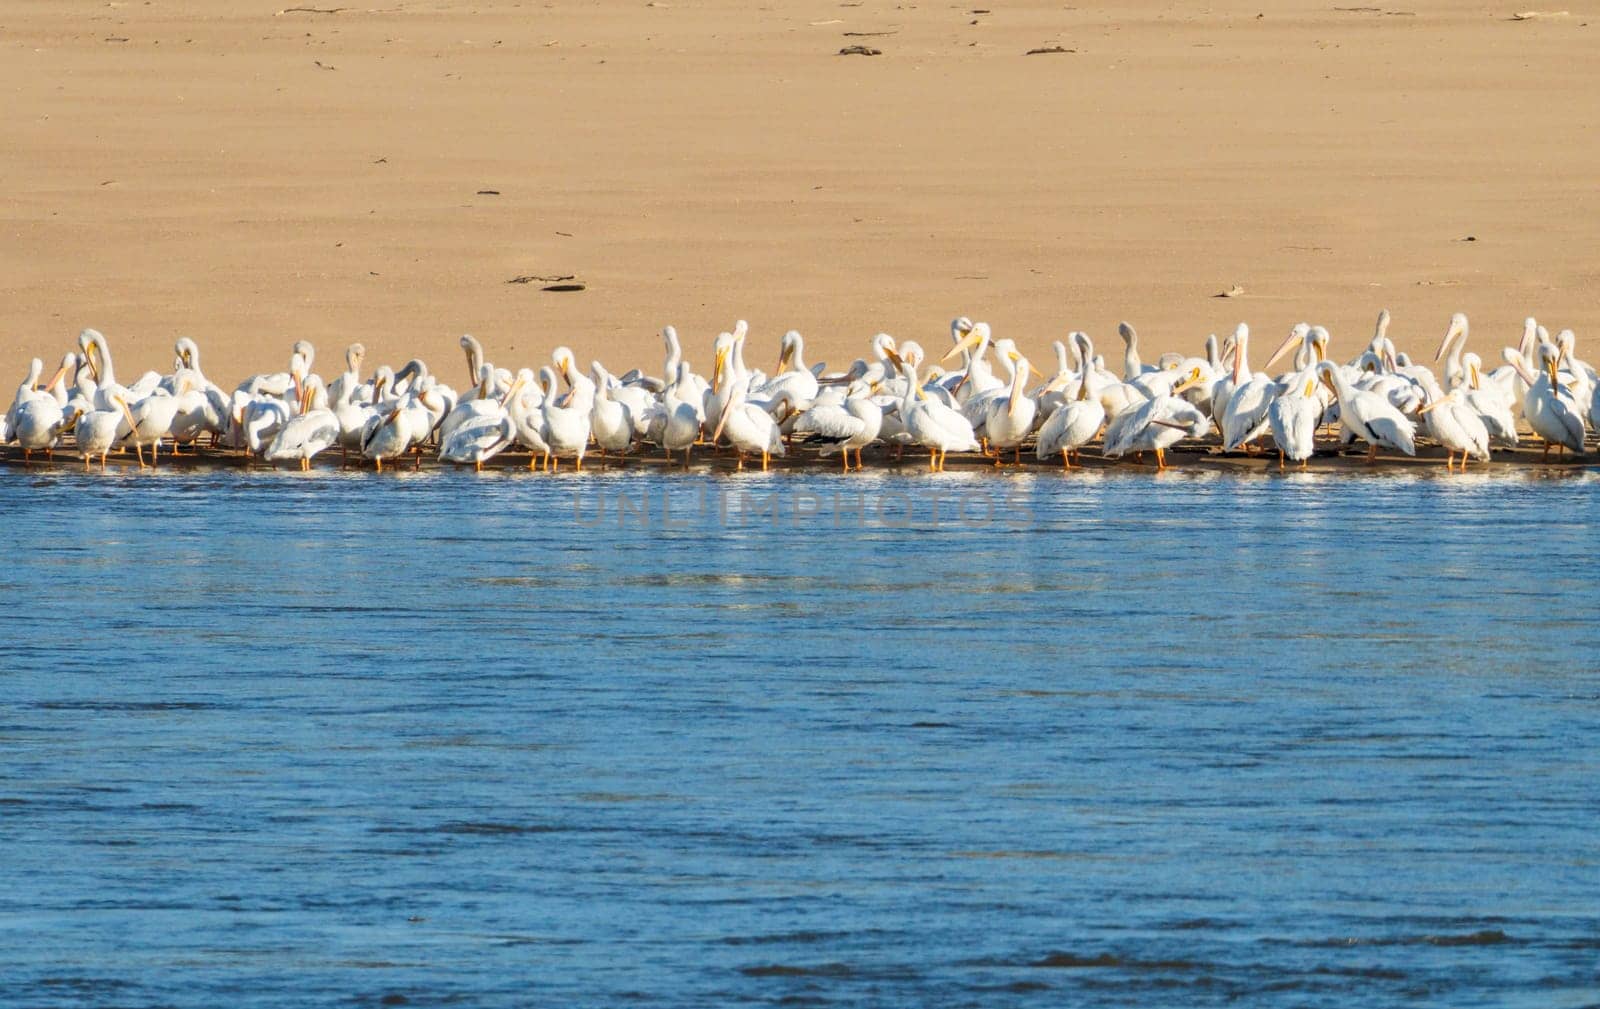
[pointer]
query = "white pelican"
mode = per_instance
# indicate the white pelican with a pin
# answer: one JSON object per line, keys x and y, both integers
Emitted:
{"x": 1009, "y": 418}
{"x": 499, "y": 378}
{"x": 1073, "y": 425}
{"x": 1369, "y": 415}
{"x": 1494, "y": 402}
{"x": 931, "y": 423}
{"x": 1237, "y": 377}
{"x": 479, "y": 440}
{"x": 527, "y": 414}
{"x": 1546, "y": 405}
{"x": 1244, "y": 418}
{"x": 96, "y": 430}
{"x": 1456, "y": 426}
{"x": 972, "y": 344}
{"x": 1294, "y": 416}
{"x": 25, "y": 392}
{"x": 96, "y": 356}
{"x": 725, "y": 374}
{"x": 405, "y": 427}
{"x": 637, "y": 397}
{"x": 840, "y": 427}
{"x": 343, "y": 386}
{"x": 202, "y": 406}
{"x": 1159, "y": 424}
{"x": 1453, "y": 344}
{"x": 793, "y": 379}
{"x": 486, "y": 434}
{"x": 482, "y": 400}
{"x": 40, "y": 423}
{"x": 314, "y": 429}
{"x": 1053, "y": 394}
{"x": 352, "y": 413}
{"x": 567, "y": 421}
{"x": 256, "y": 420}
{"x": 681, "y": 417}
{"x": 610, "y": 419}
{"x": 151, "y": 420}
{"x": 749, "y": 427}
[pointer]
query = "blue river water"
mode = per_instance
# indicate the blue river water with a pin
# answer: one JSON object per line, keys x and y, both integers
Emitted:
{"x": 1096, "y": 739}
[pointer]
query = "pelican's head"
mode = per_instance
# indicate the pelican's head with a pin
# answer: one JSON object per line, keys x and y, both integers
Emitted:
{"x": 1472, "y": 364}
{"x": 1530, "y": 329}
{"x": 1457, "y": 327}
{"x": 523, "y": 377}
{"x": 1381, "y": 330}
{"x": 89, "y": 342}
{"x": 786, "y": 349}
{"x": 1567, "y": 343}
{"x": 976, "y": 338}
{"x": 1194, "y": 378}
{"x": 565, "y": 363}
{"x": 911, "y": 350}
{"x": 354, "y": 355}
{"x": 88, "y": 338}
{"x": 959, "y": 327}
{"x": 1082, "y": 346}
{"x": 1550, "y": 361}
{"x": 1319, "y": 342}
{"x": 1297, "y": 334}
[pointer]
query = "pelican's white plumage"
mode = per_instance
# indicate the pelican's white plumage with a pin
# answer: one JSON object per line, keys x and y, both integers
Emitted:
{"x": 931, "y": 423}
{"x": 1551, "y": 413}
{"x": 1455, "y": 425}
{"x": 841, "y": 427}
{"x": 1293, "y": 417}
{"x": 1072, "y": 426}
{"x": 1369, "y": 415}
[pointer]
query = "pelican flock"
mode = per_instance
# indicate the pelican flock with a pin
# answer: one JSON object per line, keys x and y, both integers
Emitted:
{"x": 983, "y": 397}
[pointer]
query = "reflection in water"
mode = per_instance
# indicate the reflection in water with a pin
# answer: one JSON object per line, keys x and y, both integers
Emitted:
{"x": 1201, "y": 739}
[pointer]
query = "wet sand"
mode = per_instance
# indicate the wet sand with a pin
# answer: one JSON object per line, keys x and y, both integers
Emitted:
{"x": 252, "y": 173}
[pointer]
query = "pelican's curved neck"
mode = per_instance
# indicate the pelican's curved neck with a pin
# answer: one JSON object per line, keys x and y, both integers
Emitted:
{"x": 669, "y": 370}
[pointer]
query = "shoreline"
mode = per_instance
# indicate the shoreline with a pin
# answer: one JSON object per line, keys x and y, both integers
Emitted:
{"x": 1186, "y": 457}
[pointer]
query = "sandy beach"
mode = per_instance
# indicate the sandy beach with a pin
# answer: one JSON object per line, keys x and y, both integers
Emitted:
{"x": 250, "y": 173}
